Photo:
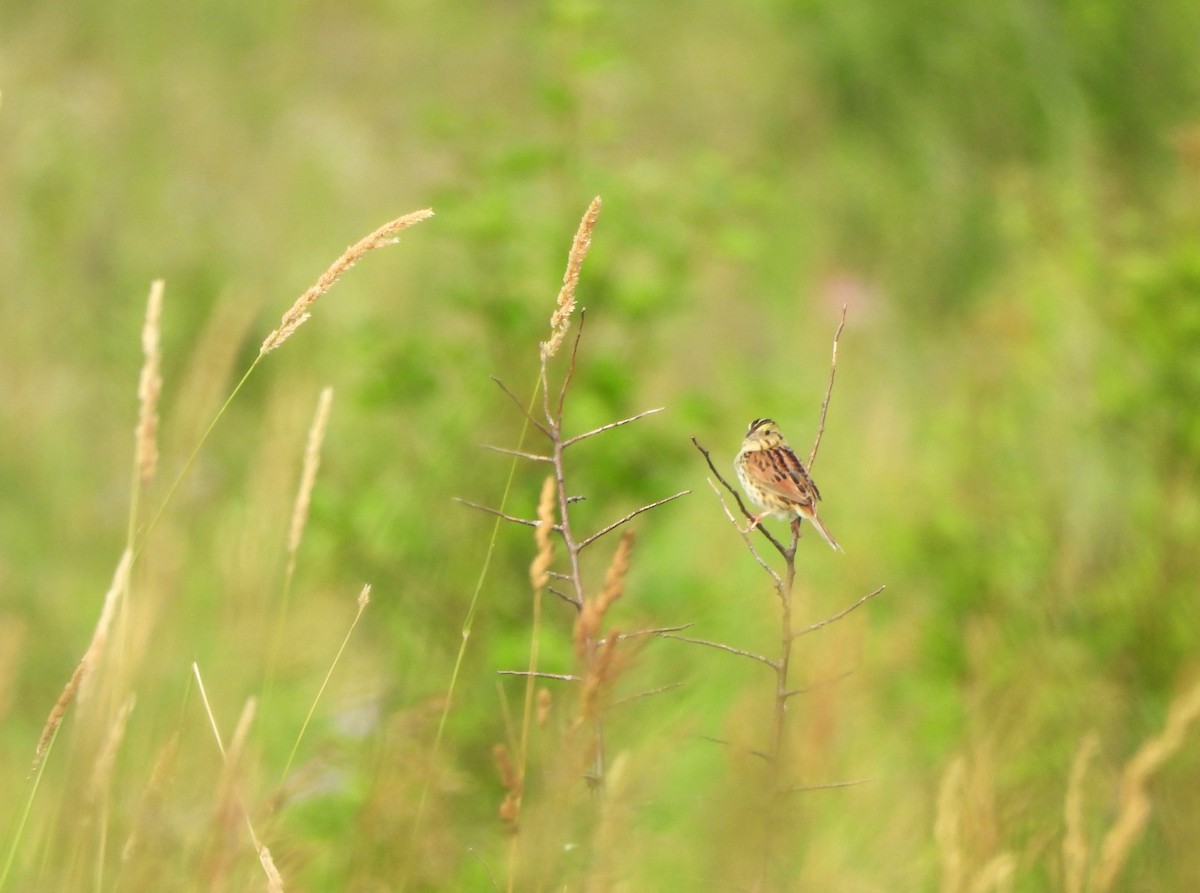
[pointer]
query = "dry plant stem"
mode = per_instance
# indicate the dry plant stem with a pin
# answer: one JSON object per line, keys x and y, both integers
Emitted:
{"x": 274, "y": 881}
{"x": 946, "y": 827}
{"x": 527, "y": 522}
{"x": 100, "y": 788}
{"x": 610, "y": 425}
{"x": 77, "y": 685}
{"x": 721, "y": 646}
{"x": 657, "y": 631}
{"x": 364, "y": 598}
{"x": 762, "y": 562}
{"x": 812, "y": 456}
{"x": 145, "y": 458}
{"x": 840, "y": 614}
{"x": 532, "y": 457}
{"x": 562, "y": 677}
{"x": 828, "y": 786}
{"x": 300, "y": 509}
{"x": 670, "y": 686}
{"x": 1134, "y": 801}
{"x": 613, "y": 526}
{"x": 1074, "y": 845}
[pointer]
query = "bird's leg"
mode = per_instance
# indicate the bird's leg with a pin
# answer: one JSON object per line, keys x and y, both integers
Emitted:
{"x": 755, "y": 521}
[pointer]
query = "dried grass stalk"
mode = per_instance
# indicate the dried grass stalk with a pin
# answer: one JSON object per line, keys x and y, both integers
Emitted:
{"x": 947, "y": 828}
{"x": 298, "y": 313}
{"x": 164, "y": 765}
{"x": 539, "y": 569}
{"x": 560, "y": 320}
{"x": 1133, "y": 799}
{"x": 102, "y": 771}
{"x": 308, "y": 477}
{"x": 90, "y": 658}
{"x": 996, "y": 876}
{"x": 510, "y": 780}
{"x": 544, "y": 702}
{"x": 241, "y": 731}
{"x": 1075, "y": 847}
{"x": 149, "y": 386}
{"x": 274, "y": 880}
{"x": 600, "y": 676}
{"x": 591, "y": 618}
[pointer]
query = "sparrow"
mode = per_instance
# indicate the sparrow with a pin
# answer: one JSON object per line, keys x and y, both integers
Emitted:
{"x": 776, "y": 480}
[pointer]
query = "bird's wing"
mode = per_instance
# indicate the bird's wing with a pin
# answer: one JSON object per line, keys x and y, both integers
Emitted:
{"x": 780, "y": 472}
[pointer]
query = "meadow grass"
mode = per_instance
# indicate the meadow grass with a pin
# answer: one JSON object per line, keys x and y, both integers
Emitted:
{"x": 1003, "y": 197}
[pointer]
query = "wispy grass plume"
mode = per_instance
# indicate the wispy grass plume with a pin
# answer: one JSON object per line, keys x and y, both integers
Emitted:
{"x": 299, "y": 311}
{"x": 564, "y": 306}
{"x": 95, "y": 650}
{"x": 149, "y": 387}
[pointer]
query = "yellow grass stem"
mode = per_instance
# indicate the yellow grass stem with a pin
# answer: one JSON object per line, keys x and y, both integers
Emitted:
{"x": 82, "y": 675}
{"x": 100, "y": 788}
{"x": 308, "y": 480}
{"x": 364, "y": 598}
{"x": 1075, "y": 846}
{"x": 1134, "y": 801}
{"x": 274, "y": 881}
{"x": 465, "y": 632}
{"x": 145, "y": 458}
{"x": 947, "y": 829}
{"x": 539, "y": 577}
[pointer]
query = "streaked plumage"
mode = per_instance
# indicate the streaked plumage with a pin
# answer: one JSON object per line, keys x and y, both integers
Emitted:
{"x": 776, "y": 480}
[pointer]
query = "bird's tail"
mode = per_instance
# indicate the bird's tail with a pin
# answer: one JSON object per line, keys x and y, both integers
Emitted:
{"x": 824, "y": 531}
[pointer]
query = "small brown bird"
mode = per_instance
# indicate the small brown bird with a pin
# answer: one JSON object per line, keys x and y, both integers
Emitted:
{"x": 776, "y": 480}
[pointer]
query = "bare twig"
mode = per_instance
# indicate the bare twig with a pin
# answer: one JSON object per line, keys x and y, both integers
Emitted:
{"x": 533, "y": 457}
{"x": 812, "y": 456}
{"x": 746, "y": 535}
{"x": 750, "y": 750}
{"x": 562, "y": 391}
{"x": 798, "y": 789}
{"x": 840, "y": 614}
{"x": 538, "y": 674}
{"x": 646, "y": 694}
{"x": 499, "y": 514}
{"x": 517, "y": 403}
{"x": 611, "y": 527}
{"x": 610, "y": 426}
{"x": 657, "y": 632}
{"x": 561, "y": 595}
{"x": 805, "y": 689}
{"x": 749, "y": 515}
{"x": 721, "y": 646}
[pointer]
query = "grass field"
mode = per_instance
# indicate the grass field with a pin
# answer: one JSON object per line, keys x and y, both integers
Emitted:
{"x": 1003, "y": 198}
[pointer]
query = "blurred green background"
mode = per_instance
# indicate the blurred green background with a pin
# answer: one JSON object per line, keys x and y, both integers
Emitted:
{"x": 1005, "y": 196}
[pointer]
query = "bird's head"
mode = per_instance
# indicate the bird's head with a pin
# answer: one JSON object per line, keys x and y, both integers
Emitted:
{"x": 763, "y": 434}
